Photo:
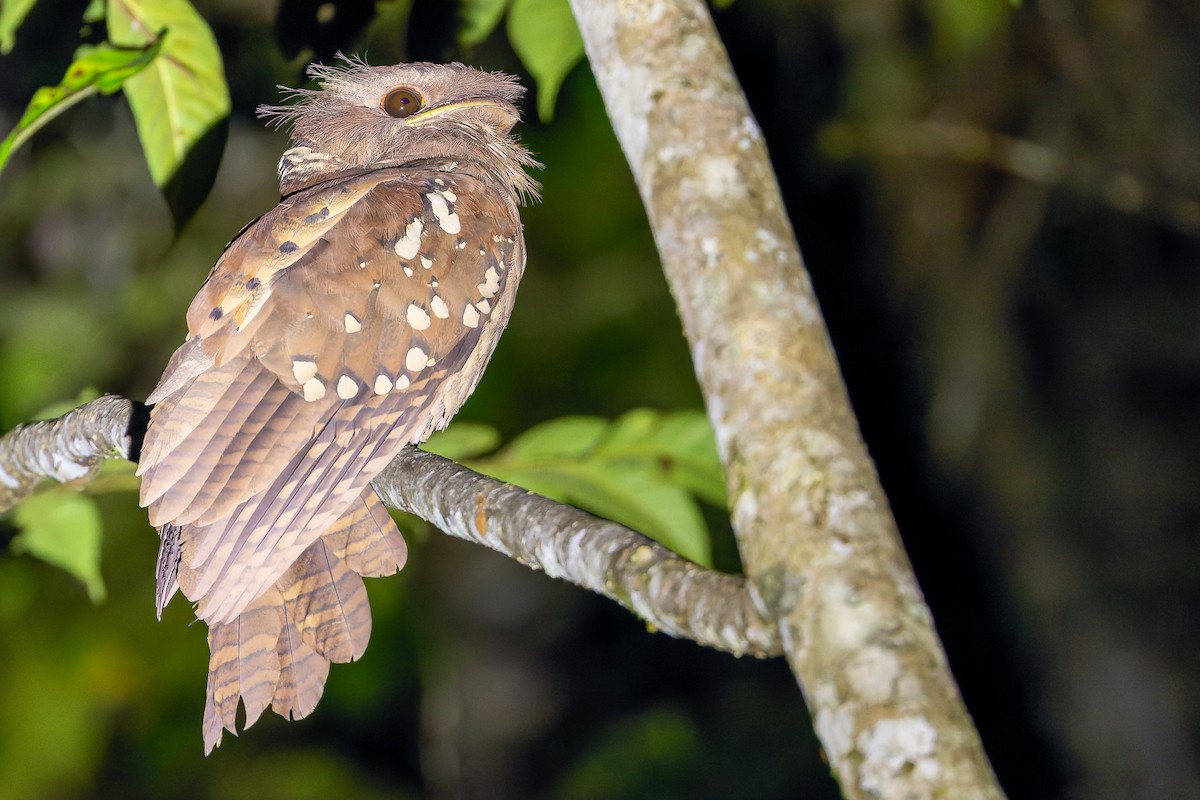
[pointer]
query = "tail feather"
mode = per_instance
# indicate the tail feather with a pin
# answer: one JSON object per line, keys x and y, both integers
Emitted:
{"x": 366, "y": 538}
{"x": 302, "y": 674}
{"x": 243, "y": 664}
{"x": 329, "y": 604}
{"x": 277, "y": 652}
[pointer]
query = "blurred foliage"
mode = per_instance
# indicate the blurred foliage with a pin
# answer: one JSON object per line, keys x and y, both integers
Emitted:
{"x": 62, "y": 528}
{"x": 174, "y": 83}
{"x": 999, "y": 209}
{"x": 12, "y": 14}
{"x": 96, "y": 69}
{"x": 180, "y": 99}
{"x": 478, "y": 18}
{"x": 544, "y": 35}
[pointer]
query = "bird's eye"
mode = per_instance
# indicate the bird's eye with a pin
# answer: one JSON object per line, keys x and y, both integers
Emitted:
{"x": 402, "y": 102}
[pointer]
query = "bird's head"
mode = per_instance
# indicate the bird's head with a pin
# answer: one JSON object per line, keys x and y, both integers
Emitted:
{"x": 371, "y": 117}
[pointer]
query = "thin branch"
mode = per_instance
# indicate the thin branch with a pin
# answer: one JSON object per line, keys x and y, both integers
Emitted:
{"x": 670, "y": 593}
{"x": 813, "y": 525}
{"x": 70, "y": 448}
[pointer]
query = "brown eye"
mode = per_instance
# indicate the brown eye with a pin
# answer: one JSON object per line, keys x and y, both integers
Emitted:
{"x": 402, "y": 102}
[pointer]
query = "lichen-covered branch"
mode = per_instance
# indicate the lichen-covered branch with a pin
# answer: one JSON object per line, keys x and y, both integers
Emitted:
{"x": 670, "y": 593}
{"x": 813, "y": 525}
{"x": 69, "y": 448}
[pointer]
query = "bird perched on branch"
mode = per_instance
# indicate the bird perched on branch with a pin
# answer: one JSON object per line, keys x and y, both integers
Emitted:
{"x": 351, "y": 320}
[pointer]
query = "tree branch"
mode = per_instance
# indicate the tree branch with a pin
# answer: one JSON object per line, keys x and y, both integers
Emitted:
{"x": 670, "y": 593}
{"x": 814, "y": 527}
{"x": 70, "y": 448}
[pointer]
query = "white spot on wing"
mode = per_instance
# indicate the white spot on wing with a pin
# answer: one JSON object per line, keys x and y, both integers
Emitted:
{"x": 441, "y": 212}
{"x": 417, "y": 317}
{"x": 304, "y": 369}
{"x": 408, "y": 246}
{"x": 484, "y": 306}
{"x": 402, "y": 382}
{"x": 383, "y": 384}
{"x": 347, "y": 387}
{"x": 314, "y": 389}
{"x": 352, "y": 323}
{"x": 415, "y": 359}
{"x": 491, "y": 284}
{"x": 470, "y": 317}
{"x": 439, "y": 307}
{"x": 426, "y": 262}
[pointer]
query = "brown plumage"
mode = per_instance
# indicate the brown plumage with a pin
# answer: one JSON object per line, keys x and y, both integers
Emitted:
{"x": 351, "y": 320}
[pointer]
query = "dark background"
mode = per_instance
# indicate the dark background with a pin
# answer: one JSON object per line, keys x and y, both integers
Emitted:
{"x": 999, "y": 206}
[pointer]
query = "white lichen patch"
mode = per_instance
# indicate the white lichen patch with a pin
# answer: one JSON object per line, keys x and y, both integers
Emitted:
{"x": 720, "y": 179}
{"x": 750, "y": 133}
{"x": 843, "y": 508}
{"x": 745, "y": 508}
{"x": 834, "y": 723}
{"x": 894, "y": 747}
{"x": 847, "y": 622}
{"x": 67, "y": 470}
{"x": 872, "y": 674}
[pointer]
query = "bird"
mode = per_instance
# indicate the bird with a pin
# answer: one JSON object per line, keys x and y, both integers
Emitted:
{"x": 350, "y": 321}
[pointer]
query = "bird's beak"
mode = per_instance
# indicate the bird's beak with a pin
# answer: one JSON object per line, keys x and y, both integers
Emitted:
{"x": 502, "y": 114}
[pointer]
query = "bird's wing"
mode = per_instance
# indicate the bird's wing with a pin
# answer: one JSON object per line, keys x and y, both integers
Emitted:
{"x": 333, "y": 331}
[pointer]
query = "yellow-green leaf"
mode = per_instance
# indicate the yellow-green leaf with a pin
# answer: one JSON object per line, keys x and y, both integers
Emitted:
{"x": 565, "y": 437}
{"x": 63, "y": 528}
{"x": 544, "y": 35}
{"x": 102, "y": 69}
{"x": 12, "y": 14}
{"x": 682, "y": 443}
{"x": 183, "y": 95}
{"x": 477, "y": 19}
{"x": 463, "y": 440}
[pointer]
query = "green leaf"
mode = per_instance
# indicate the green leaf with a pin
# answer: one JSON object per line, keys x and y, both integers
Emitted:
{"x": 645, "y": 470}
{"x": 63, "y": 528}
{"x": 544, "y": 35}
{"x": 463, "y": 440}
{"x": 565, "y": 437}
{"x": 683, "y": 443}
{"x": 965, "y": 28}
{"x": 94, "y": 12}
{"x": 477, "y": 19}
{"x": 102, "y": 69}
{"x": 12, "y": 14}
{"x": 115, "y": 475}
{"x": 183, "y": 96}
